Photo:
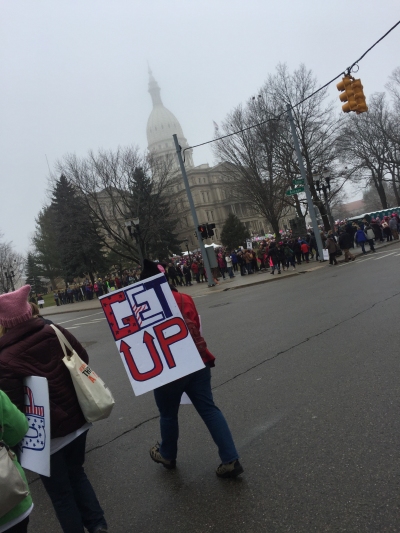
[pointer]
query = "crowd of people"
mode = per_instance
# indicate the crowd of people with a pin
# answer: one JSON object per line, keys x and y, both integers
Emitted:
{"x": 270, "y": 254}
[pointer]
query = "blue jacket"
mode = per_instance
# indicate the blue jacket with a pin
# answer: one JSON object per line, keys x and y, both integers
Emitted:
{"x": 360, "y": 236}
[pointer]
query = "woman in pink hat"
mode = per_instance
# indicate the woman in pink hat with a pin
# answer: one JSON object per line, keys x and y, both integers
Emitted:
{"x": 30, "y": 347}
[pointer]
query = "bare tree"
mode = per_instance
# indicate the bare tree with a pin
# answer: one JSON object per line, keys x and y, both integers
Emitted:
{"x": 365, "y": 144}
{"x": 317, "y": 128}
{"x": 11, "y": 267}
{"x": 251, "y": 165}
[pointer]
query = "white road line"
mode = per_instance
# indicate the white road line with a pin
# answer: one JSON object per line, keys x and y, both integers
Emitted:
{"x": 74, "y": 319}
{"x": 83, "y": 323}
{"x": 72, "y": 327}
{"x": 383, "y": 256}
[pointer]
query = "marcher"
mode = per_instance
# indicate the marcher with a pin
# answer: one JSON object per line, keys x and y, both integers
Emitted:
{"x": 13, "y": 427}
{"x": 332, "y": 247}
{"x": 345, "y": 243}
{"x": 29, "y": 346}
{"x": 361, "y": 239}
{"x": 228, "y": 260}
{"x": 198, "y": 387}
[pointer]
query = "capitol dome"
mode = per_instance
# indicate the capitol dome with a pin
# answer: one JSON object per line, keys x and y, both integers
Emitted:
{"x": 161, "y": 125}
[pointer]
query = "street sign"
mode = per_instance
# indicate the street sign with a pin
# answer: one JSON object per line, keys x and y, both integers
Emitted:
{"x": 298, "y": 190}
{"x": 300, "y": 181}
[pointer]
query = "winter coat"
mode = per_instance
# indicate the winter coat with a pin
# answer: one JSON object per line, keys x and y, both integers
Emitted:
{"x": 32, "y": 349}
{"x": 393, "y": 224}
{"x": 191, "y": 316}
{"x": 345, "y": 241}
{"x": 331, "y": 245}
{"x": 15, "y": 426}
{"x": 360, "y": 236}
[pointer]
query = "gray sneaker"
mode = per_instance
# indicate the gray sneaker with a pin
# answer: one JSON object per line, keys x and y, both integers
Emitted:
{"x": 158, "y": 458}
{"x": 232, "y": 469}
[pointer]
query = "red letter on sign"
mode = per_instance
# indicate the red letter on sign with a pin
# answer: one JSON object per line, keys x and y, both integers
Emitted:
{"x": 165, "y": 343}
{"x": 158, "y": 366}
{"x": 130, "y": 321}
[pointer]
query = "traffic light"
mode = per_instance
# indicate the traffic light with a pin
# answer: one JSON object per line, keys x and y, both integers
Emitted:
{"x": 352, "y": 93}
{"x": 347, "y": 94}
{"x": 203, "y": 231}
{"x": 359, "y": 96}
{"x": 210, "y": 228}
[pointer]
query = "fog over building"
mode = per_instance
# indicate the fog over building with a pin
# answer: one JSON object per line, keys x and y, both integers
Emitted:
{"x": 210, "y": 186}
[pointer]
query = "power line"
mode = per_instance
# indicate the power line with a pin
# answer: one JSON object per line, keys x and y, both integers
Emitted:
{"x": 277, "y": 117}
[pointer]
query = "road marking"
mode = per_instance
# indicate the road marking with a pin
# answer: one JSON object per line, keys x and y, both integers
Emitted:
{"x": 75, "y": 319}
{"x": 383, "y": 256}
{"x": 72, "y": 327}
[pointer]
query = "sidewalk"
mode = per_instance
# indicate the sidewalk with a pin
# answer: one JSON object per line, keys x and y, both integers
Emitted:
{"x": 202, "y": 289}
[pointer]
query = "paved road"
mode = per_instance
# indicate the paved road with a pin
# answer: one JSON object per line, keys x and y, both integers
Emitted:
{"x": 308, "y": 376}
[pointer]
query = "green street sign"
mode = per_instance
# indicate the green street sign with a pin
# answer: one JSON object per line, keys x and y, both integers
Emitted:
{"x": 298, "y": 190}
{"x": 300, "y": 181}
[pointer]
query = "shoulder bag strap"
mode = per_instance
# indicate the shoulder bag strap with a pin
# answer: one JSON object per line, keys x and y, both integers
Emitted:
{"x": 63, "y": 341}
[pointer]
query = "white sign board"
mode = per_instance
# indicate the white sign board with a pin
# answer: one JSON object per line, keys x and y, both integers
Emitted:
{"x": 249, "y": 245}
{"x": 326, "y": 254}
{"x": 35, "y": 446}
{"x": 150, "y": 333}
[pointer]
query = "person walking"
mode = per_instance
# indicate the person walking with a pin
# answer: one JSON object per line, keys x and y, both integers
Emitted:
{"x": 332, "y": 247}
{"x": 198, "y": 387}
{"x": 273, "y": 256}
{"x": 369, "y": 232}
{"x": 393, "y": 227}
{"x": 228, "y": 260}
{"x": 345, "y": 243}
{"x": 361, "y": 239}
{"x": 29, "y": 346}
{"x": 13, "y": 427}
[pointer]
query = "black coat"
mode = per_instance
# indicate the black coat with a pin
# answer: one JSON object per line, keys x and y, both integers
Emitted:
{"x": 345, "y": 241}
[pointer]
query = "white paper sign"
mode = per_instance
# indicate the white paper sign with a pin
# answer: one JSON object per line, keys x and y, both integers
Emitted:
{"x": 326, "y": 254}
{"x": 150, "y": 333}
{"x": 35, "y": 446}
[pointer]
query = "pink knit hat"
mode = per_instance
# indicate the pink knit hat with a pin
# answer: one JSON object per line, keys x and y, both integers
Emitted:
{"x": 14, "y": 307}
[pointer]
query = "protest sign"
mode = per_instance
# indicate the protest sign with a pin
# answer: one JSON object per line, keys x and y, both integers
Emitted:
{"x": 150, "y": 333}
{"x": 35, "y": 446}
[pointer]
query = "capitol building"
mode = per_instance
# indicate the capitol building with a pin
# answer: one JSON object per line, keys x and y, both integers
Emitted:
{"x": 209, "y": 185}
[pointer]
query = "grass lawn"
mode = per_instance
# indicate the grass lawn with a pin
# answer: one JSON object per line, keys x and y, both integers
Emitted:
{"x": 48, "y": 300}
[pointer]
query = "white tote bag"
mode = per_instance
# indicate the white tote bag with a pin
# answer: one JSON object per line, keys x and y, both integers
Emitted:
{"x": 94, "y": 397}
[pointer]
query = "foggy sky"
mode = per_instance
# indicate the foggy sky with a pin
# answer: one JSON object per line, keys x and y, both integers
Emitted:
{"x": 74, "y": 73}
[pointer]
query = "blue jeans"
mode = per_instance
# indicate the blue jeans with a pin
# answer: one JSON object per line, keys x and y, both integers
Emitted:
{"x": 70, "y": 491}
{"x": 198, "y": 387}
{"x": 230, "y": 272}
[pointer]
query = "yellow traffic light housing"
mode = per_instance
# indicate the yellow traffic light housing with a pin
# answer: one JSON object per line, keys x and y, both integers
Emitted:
{"x": 359, "y": 97}
{"x": 352, "y": 94}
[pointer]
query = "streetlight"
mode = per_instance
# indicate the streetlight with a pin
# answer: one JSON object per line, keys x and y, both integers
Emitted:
{"x": 187, "y": 248}
{"x": 135, "y": 233}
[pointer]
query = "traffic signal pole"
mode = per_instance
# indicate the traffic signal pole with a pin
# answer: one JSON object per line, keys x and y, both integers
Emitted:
{"x": 210, "y": 278}
{"x": 306, "y": 186}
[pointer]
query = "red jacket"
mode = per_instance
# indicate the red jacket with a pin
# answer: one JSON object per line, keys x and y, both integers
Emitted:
{"x": 305, "y": 248}
{"x": 32, "y": 349}
{"x": 190, "y": 314}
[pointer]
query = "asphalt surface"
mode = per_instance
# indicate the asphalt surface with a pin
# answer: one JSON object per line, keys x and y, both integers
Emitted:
{"x": 307, "y": 374}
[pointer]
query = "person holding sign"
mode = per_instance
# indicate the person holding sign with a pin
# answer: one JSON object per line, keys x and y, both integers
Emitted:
{"x": 30, "y": 347}
{"x": 197, "y": 386}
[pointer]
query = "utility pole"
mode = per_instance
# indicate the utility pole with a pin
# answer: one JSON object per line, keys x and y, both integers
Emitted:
{"x": 306, "y": 186}
{"x": 210, "y": 278}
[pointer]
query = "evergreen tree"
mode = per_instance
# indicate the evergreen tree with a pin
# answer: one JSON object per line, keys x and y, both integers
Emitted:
{"x": 47, "y": 252}
{"x": 78, "y": 242}
{"x": 234, "y": 233}
{"x": 33, "y": 274}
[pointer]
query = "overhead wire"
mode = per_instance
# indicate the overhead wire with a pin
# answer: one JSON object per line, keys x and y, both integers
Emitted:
{"x": 277, "y": 117}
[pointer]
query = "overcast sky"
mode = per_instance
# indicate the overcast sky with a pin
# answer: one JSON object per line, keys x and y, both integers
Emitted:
{"x": 74, "y": 73}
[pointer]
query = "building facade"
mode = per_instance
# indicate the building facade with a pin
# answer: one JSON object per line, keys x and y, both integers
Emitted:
{"x": 210, "y": 187}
